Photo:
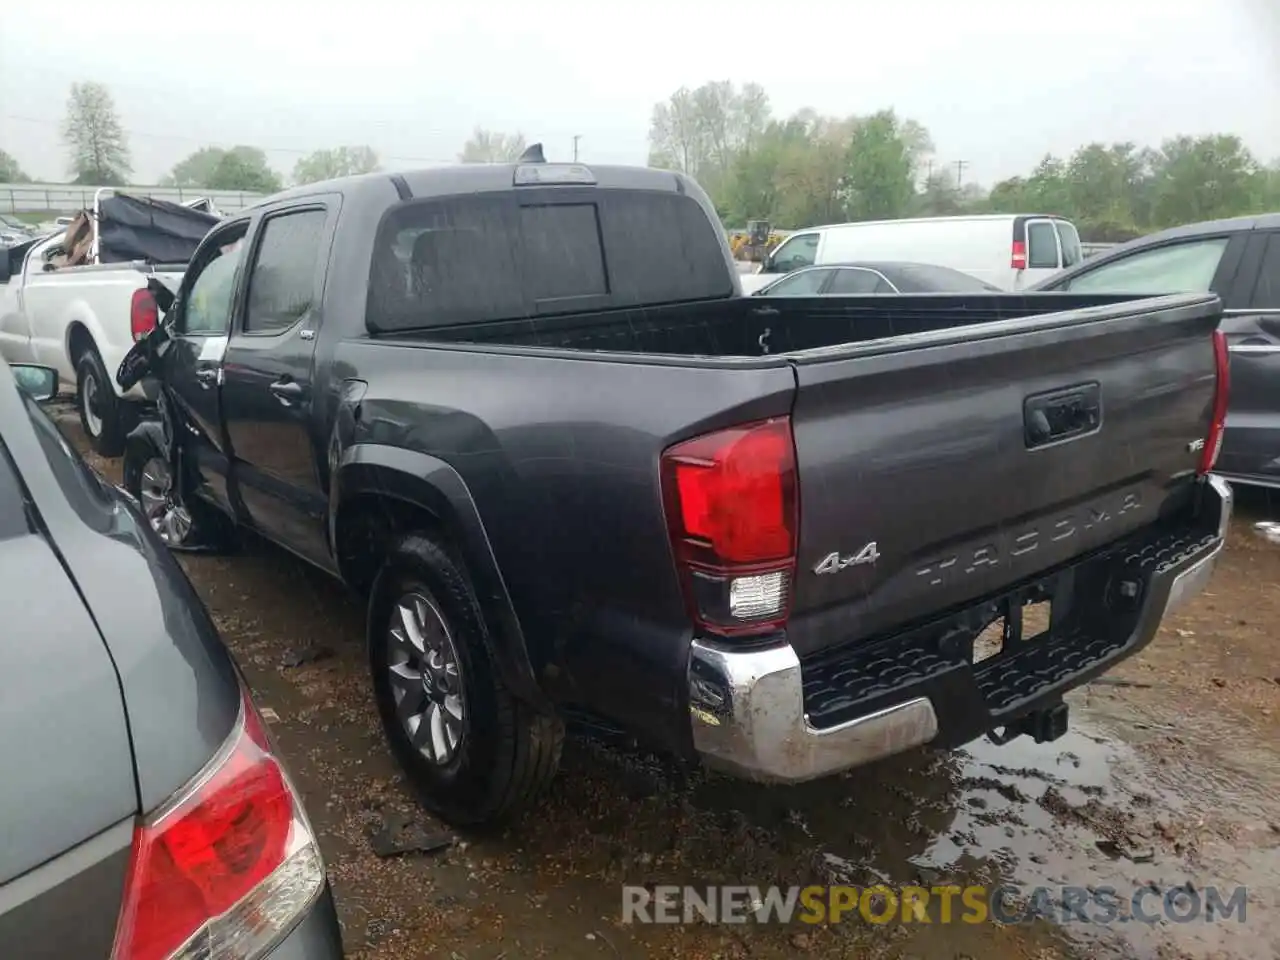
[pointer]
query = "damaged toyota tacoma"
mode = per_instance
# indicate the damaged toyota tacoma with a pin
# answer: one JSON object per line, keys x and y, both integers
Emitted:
{"x": 525, "y": 411}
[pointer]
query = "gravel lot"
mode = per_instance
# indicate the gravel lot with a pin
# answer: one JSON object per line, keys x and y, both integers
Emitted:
{"x": 1170, "y": 775}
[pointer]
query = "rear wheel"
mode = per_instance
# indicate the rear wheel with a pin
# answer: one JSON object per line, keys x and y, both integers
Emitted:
{"x": 104, "y": 417}
{"x": 474, "y": 753}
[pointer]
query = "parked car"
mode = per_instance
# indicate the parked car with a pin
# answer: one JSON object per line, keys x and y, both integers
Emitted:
{"x": 1238, "y": 259}
{"x": 1009, "y": 251}
{"x": 13, "y": 231}
{"x": 873, "y": 276}
{"x": 526, "y": 412}
{"x": 146, "y": 813}
{"x": 78, "y": 301}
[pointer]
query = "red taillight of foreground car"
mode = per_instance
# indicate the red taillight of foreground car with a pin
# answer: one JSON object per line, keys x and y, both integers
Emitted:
{"x": 1222, "y": 391}
{"x": 733, "y": 512}
{"x": 226, "y": 866}
{"x": 143, "y": 314}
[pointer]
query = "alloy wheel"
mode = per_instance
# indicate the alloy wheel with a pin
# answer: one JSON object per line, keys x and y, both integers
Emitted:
{"x": 167, "y": 517}
{"x": 426, "y": 678}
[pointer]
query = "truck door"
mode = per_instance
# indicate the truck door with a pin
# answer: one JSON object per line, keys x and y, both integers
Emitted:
{"x": 193, "y": 365}
{"x": 267, "y": 398}
{"x": 1251, "y": 446}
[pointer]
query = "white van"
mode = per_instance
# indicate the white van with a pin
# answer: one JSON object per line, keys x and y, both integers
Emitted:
{"x": 1011, "y": 251}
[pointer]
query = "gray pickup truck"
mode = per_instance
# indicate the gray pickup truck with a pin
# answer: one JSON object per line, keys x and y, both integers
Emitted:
{"x": 525, "y": 411}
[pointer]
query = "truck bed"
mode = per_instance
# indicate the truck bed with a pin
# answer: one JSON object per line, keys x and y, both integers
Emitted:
{"x": 912, "y": 418}
{"x": 753, "y": 327}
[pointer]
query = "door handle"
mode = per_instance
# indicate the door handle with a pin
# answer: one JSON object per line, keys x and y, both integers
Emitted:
{"x": 1062, "y": 414}
{"x": 288, "y": 392}
{"x": 206, "y": 377}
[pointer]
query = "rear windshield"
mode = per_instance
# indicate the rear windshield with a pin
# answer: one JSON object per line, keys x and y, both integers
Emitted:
{"x": 1071, "y": 253}
{"x": 504, "y": 256}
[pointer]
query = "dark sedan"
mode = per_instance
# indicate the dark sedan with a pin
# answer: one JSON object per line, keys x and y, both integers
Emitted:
{"x": 1238, "y": 259}
{"x": 837, "y": 279}
{"x": 145, "y": 813}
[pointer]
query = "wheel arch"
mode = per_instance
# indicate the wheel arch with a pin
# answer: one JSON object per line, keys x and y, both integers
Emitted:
{"x": 376, "y": 490}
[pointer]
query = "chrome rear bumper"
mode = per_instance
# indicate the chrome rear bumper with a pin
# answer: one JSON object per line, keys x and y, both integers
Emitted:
{"x": 747, "y": 707}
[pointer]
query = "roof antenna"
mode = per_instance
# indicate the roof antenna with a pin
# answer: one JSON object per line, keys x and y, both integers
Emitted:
{"x": 533, "y": 154}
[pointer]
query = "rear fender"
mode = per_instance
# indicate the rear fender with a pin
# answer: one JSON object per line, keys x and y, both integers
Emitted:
{"x": 426, "y": 482}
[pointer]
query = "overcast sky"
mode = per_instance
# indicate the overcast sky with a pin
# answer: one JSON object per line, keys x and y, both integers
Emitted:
{"x": 997, "y": 83}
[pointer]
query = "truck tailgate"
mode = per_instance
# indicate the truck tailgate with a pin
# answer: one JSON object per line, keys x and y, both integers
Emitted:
{"x": 939, "y": 468}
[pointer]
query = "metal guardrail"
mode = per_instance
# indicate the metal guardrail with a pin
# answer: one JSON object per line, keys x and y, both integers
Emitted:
{"x": 63, "y": 198}
{"x": 1089, "y": 249}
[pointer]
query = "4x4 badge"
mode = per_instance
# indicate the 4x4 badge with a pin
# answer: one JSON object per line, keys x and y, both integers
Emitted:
{"x": 833, "y": 562}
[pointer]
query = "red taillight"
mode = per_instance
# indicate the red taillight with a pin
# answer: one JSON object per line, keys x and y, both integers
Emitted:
{"x": 732, "y": 509}
{"x": 1018, "y": 260}
{"x": 225, "y": 866}
{"x": 1222, "y": 390}
{"x": 143, "y": 314}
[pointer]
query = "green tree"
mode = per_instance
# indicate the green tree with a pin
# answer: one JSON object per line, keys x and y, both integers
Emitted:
{"x": 939, "y": 196}
{"x": 879, "y": 179}
{"x": 814, "y": 169}
{"x": 240, "y": 168}
{"x": 1204, "y": 178}
{"x": 333, "y": 163}
{"x": 488, "y": 146}
{"x": 704, "y": 132}
{"x": 10, "y": 171}
{"x": 95, "y": 136}
{"x": 195, "y": 169}
{"x": 244, "y": 168}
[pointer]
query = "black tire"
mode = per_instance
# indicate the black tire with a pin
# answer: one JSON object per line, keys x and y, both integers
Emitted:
{"x": 115, "y": 417}
{"x": 208, "y": 531}
{"x": 508, "y": 752}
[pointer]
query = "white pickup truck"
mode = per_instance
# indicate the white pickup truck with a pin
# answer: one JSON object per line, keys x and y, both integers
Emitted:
{"x": 81, "y": 319}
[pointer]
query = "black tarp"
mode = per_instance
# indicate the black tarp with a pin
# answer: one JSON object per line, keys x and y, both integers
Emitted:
{"x": 140, "y": 228}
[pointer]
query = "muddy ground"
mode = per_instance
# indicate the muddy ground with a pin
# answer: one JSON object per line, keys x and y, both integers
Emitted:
{"x": 1170, "y": 776}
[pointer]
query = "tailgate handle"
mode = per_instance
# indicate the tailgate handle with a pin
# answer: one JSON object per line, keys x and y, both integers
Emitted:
{"x": 1063, "y": 414}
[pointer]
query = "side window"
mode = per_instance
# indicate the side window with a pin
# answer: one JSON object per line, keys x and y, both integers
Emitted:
{"x": 207, "y": 311}
{"x": 1042, "y": 246}
{"x": 805, "y": 284}
{"x": 1266, "y": 292}
{"x": 859, "y": 281}
{"x": 1180, "y": 268}
{"x": 282, "y": 277}
{"x": 1070, "y": 240}
{"x": 796, "y": 252}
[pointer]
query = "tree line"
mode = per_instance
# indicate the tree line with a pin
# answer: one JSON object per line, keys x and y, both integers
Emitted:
{"x": 794, "y": 171}
{"x": 806, "y": 169}
{"x": 99, "y": 155}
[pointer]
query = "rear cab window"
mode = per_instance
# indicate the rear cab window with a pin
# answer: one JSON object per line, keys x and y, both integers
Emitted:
{"x": 1042, "y": 245}
{"x": 508, "y": 255}
{"x": 1069, "y": 238}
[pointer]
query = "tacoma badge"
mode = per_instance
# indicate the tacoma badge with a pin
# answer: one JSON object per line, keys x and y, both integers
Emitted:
{"x": 833, "y": 562}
